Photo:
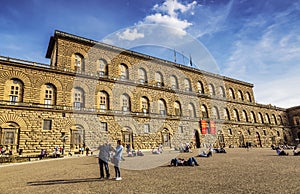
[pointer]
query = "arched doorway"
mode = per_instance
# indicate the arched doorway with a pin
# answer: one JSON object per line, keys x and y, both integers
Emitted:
{"x": 77, "y": 137}
{"x": 221, "y": 139}
{"x": 285, "y": 139}
{"x": 10, "y": 137}
{"x": 166, "y": 138}
{"x": 258, "y": 140}
{"x": 197, "y": 138}
{"x": 127, "y": 137}
{"x": 273, "y": 140}
{"x": 241, "y": 139}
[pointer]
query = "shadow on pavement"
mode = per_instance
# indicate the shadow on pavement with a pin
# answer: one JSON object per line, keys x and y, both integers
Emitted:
{"x": 62, "y": 181}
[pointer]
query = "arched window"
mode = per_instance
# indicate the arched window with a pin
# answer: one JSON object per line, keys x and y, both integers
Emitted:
{"x": 78, "y": 98}
{"x": 102, "y": 67}
{"x": 231, "y": 93}
{"x": 249, "y": 132}
{"x": 162, "y": 107}
{"x": 274, "y": 119}
{"x": 142, "y": 76}
{"x": 245, "y": 117}
{"x": 240, "y": 95}
{"x": 211, "y": 89}
{"x": 125, "y": 102}
{"x": 248, "y": 97}
{"x": 204, "y": 111}
{"x": 177, "y": 108}
{"x": 124, "y": 71}
{"x": 236, "y": 115}
{"x": 253, "y": 118}
{"x": 268, "y": 118}
{"x": 222, "y": 92}
{"x": 49, "y": 94}
{"x": 159, "y": 79}
{"x": 174, "y": 82}
{"x": 215, "y": 113}
{"x": 145, "y": 104}
{"x": 104, "y": 100}
{"x": 226, "y": 114}
{"x": 78, "y": 62}
{"x": 187, "y": 84}
{"x": 192, "y": 112}
{"x": 280, "y": 119}
{"x": 260, "y": 117}
{"x": 15, "y": 88}
{"x": 200, "y": 87}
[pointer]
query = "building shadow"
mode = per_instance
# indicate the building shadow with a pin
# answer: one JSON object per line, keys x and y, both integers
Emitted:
{"x": 62, "y": 181}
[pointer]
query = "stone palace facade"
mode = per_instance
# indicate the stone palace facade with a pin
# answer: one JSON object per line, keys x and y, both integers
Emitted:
{"x": 93, "y": 92}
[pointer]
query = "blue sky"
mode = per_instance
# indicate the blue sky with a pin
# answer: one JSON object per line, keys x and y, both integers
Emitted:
{"x": 257, "y": 41}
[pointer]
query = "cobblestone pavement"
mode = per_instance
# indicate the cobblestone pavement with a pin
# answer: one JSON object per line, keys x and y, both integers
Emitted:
{"x": 238, "y": 171}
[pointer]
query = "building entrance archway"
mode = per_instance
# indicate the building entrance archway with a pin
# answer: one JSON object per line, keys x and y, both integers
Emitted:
{"x": 77, "y": 138}
{"x": 258, "y": 140}
{"x": 127, "y": 137}
{"x": 241, "y": 139}
{"x": 197, "y": 138}
{"x": 166, "y": 138}
{"x": 221, "y": 139}
{"x": 10, "y": 137}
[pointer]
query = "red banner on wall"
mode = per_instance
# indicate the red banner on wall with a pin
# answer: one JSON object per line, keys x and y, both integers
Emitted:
{"x": 203, "y": 126}
{"x": 212, "y": 127}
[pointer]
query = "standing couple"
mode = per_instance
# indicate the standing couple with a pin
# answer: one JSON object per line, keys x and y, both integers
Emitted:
{"x": 104, "y": 156}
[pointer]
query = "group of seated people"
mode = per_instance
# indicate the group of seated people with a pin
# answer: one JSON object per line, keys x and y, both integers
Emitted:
{"x": 206, "y": 154}
{"x": 186, "y": 148}
{"x": 157, "y": 150}
{"x": 133, "y": 153}
{"x": 182, "y": 162}
{"x": 219, "y": 150}
{"x": 281, "y": 152}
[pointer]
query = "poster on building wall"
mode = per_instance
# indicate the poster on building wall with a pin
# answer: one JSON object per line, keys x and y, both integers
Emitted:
{"x": 203, "y": 125}
{"x": 212, "y": 127}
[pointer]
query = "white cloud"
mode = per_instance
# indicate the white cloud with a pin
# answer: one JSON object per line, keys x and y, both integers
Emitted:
{"x": 130, "y": 34}
{"x": 171, "y": 7}
{"x": 167, "y": 20}
{"x": 168, "y": 14}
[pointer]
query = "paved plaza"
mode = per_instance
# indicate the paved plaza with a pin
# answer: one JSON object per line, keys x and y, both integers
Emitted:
{"x": 238, "y": 171}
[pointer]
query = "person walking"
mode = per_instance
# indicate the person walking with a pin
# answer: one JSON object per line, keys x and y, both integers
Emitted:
{"x": 104, "y": 155}
{"x": 116, "y": 160}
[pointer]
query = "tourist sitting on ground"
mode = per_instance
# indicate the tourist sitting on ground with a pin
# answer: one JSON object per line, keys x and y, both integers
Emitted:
{"x": 140, "y": 153}
{"x": 296, "y": 151}
{"x": 281, "y": 152}
{"x": 187, "y": 148}
{"x": 42, "y": 154}
{"x": 205, "y": 154}
{"x": 2, "y": 150}
{"x": 131, "y": 153}
{"x": 219, "y": 150}
{"x": 56, "y": 153}
{"x": 155, "y": 151}
{"x": 182, "y": 162}
{"x": 128, "y": 148}
{"x": 160, "y": 148}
